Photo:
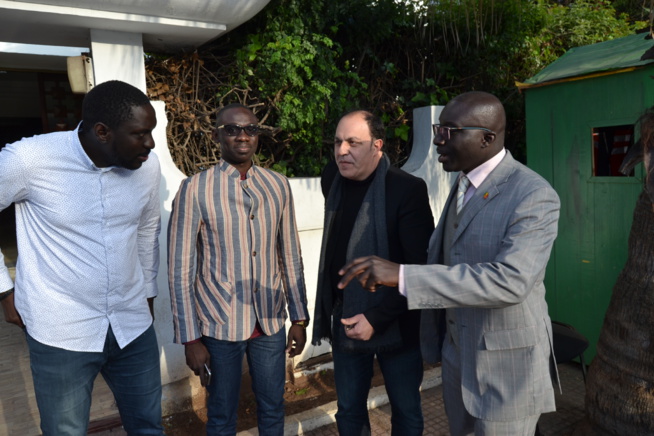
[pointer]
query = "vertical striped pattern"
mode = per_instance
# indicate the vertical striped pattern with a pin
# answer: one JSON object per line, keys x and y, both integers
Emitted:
{"x": 234, "y": 255}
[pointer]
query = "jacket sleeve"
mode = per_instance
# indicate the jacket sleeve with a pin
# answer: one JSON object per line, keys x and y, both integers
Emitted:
{"x": 290, "y": 258}
{"x": 498, "y": 263}
{"x": 183, "y": 230}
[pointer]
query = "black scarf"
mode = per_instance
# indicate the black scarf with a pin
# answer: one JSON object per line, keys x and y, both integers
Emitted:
{"x": 369, "y": 236}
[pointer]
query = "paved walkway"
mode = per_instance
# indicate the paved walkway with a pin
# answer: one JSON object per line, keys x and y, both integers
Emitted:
{"x": 320, "y": 421}
{"x": 570, "y": 410}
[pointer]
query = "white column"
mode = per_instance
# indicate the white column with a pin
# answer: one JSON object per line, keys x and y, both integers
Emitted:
{"x": 423, "y": 161}
{"x": 118, "y": 56}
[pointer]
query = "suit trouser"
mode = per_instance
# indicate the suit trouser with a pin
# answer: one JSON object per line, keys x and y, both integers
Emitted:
{"x": 402, "y": 370}
{"x": 463, "y": 423}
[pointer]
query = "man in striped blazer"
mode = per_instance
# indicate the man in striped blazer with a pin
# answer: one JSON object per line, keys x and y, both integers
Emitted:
{"x": 234, "y": 266}
{"x": 485, "y": 316}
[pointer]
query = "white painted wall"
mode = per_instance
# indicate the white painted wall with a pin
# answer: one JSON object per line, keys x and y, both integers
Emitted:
{"x": 118, "y": 56}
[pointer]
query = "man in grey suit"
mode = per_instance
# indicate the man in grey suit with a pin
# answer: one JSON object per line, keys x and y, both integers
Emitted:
{"x": 486, "y": 267}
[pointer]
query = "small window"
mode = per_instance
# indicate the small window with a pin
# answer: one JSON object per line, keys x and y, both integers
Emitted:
{"x": 610, "y": 146}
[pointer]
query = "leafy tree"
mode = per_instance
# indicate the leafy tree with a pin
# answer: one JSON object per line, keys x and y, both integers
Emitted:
{"x": 291, "y": 67}
{"x": 637, "y": 10}
{"x": 300, "y": 64}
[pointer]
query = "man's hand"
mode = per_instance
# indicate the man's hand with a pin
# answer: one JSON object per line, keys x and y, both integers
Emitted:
{"x": 358, "y": 327}
{"x": 151, "y": 306}
{"x": 370, "y": 271}
{"x": 297, "y": 339}
{"x": 11, "y": 314}
{"x": 197, "y": 356}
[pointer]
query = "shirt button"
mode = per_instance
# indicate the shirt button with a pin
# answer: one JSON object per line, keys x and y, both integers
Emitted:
{"x": 456, "y": 226}
{"x": 245, "y": 186}
{"x": 254, "y": 253}
{"x": 251, "y": 217}
{"x": 256, "y": 290}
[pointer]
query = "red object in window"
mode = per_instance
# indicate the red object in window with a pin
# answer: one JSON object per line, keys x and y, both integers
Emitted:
{"x": 621, "y": 142}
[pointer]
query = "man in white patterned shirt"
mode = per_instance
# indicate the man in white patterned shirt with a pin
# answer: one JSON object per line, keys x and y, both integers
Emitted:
{"x": 87, "y": 224}
{"x": 234, "y": 265}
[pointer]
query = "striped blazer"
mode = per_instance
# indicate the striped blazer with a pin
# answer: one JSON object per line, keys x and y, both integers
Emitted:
{"x": 234, "y": 255}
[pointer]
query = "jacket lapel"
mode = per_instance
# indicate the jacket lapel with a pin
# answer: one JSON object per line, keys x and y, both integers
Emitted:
{"x": 489, "y": 189}
{"x": 435, "y": 251}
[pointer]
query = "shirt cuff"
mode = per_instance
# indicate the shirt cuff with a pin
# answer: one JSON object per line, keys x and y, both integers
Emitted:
{"x": 400, "y": 285}
{"x": 151, "y": 289}
{"x": 193, "y": 341}
{"x": 302, "y": 322}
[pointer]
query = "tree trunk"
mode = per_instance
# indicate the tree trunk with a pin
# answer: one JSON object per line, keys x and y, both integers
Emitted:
{"x": 620, "y": 387}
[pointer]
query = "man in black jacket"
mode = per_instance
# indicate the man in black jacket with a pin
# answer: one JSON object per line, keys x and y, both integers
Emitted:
{"x": 359, "y": 188}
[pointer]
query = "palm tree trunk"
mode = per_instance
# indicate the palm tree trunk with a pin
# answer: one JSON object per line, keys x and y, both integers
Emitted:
{"x": 620, "y": 387}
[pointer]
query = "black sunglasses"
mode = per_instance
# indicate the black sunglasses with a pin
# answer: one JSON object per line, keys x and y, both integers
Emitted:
{"x": 235, "y": 129}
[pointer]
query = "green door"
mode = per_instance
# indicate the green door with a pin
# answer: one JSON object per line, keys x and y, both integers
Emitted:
{"x": 576, "y": 133}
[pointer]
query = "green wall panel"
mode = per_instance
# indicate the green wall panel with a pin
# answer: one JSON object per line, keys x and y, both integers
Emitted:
{"x": 596, "y": 212}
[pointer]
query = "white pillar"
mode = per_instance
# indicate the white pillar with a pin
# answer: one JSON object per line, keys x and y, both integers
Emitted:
{"x": 118, "y": 56}
{"x": 423, "y": 161}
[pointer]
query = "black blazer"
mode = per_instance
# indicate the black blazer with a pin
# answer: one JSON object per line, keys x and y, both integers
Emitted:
{"x": 410, "y": 223}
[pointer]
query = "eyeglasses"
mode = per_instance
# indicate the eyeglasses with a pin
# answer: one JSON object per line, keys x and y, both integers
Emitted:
{"x": 446, "y": 131}
{"x": 235, "y": 129}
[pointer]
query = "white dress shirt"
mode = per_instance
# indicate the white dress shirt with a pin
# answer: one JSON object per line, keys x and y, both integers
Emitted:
{"x": 88, "y": 250}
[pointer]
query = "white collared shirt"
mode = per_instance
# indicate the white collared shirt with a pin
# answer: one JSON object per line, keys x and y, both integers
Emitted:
{"x": 88, "y": 250}
{"x": 479, "y": 174}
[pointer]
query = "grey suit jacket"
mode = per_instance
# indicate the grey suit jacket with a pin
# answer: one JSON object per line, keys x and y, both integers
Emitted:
{"x": 495, "y": 284}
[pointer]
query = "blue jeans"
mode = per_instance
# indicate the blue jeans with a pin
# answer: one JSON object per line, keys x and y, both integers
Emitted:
{"x": 402, "y": 370}
{"x": 63, "y": 381}
{"x": 266, "y": 360}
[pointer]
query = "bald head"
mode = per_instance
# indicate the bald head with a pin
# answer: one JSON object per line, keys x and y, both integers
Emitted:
{"x": 487, "y": 110}
{"x": 483, "y": 117}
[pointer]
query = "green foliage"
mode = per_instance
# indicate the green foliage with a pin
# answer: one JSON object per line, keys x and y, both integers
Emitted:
{"x": 301, "y": 64}
{"x": 634, "y": 9}
{"x": 492, "y": 44}
{"x": 292, "y": 67}
{"x": 583, "y": 22}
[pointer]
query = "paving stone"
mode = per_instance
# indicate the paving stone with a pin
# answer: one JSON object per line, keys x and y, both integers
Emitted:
{"x": 570, "y": 410}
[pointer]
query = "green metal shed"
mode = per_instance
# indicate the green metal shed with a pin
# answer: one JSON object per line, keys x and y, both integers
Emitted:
{"x": 581, "y": 114}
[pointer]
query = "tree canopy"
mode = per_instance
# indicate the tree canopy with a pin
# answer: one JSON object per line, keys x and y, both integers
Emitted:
{"x": 301, "y": 64}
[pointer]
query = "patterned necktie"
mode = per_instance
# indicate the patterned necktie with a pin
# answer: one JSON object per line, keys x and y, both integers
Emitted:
{"x": 464, "y": 182}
